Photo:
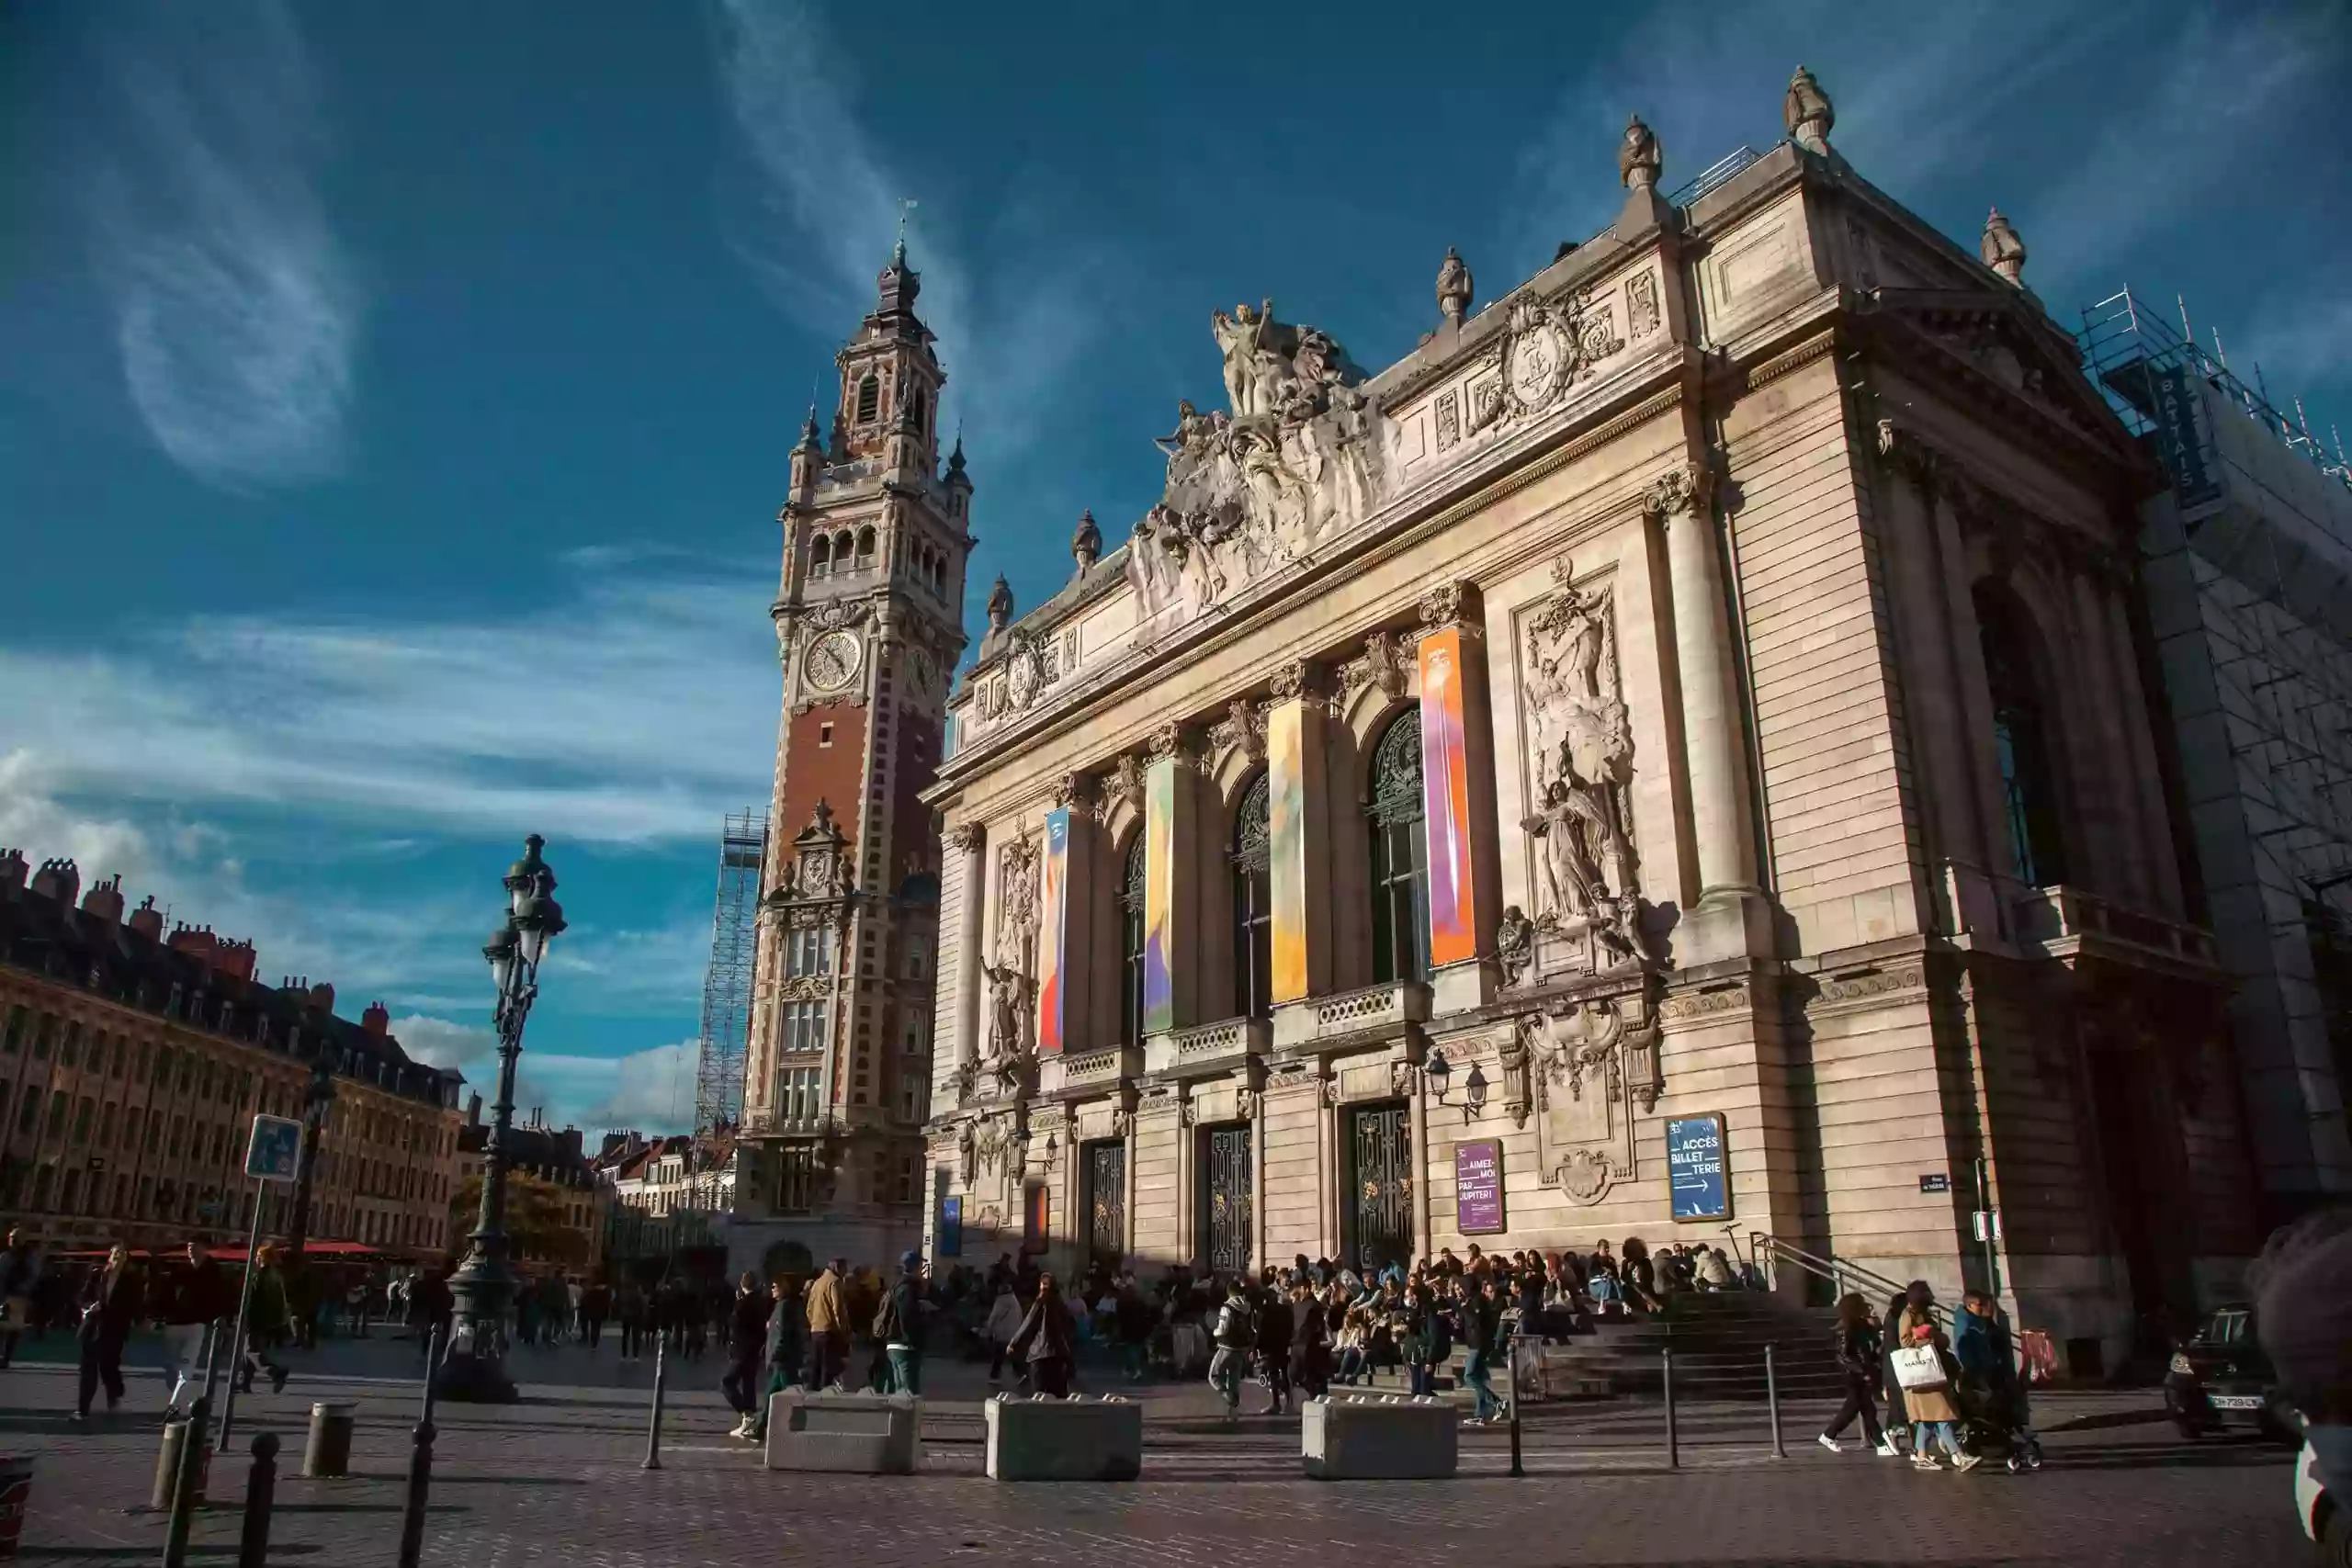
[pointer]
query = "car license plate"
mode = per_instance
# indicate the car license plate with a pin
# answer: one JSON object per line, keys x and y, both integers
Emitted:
{"x": 2236, "y": 1401}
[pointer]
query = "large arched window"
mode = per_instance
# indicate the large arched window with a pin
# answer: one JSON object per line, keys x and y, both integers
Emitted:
{"x": 821, "y": 557}
{"x": 1131, "y": 902}
{"x": 869, "y": 401}
{"x": 2030, "y": 796}
{"x": 1253, "y": 906}
{"x": 1400, "y": 942}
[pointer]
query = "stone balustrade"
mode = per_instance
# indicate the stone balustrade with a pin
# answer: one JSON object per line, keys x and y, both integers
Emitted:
{"x": 1391, "y": 1004}
{"x": 1208, "y": 1047}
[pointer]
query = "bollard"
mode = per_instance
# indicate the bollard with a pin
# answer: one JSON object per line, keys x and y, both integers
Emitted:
{"x": 326, "y": 1455}
{"x": 261, "y": 1491}
{"x": 1516, "y": 1469}
{"x": 187, "y": 1480}
{"x": 653, "y": 1428}
{"x": 420, "y": 1483}
{"x": 1773, "y": 1401}
{"x": 432, "y": 1355}
{"x": 15, "y": 1496}
{"x": 1673, "y": 1448}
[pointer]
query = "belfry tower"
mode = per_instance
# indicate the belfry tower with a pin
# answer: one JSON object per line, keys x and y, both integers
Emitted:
{"x": 868, "y": 627}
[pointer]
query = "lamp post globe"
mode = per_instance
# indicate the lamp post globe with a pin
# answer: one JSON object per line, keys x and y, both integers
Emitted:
{"x": 474, "y": 1369}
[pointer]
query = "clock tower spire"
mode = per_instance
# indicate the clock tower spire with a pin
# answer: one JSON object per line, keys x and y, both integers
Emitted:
{"x": 869, "y": 625}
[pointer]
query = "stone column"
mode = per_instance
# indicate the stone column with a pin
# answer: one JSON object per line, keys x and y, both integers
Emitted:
{"x": 1464, "y": 851}
{"x": 1723, "y": 832}
{"x": 969, "y": 839}
{"x": 1299, "y": 844}
{"x": 1171, "y": 892}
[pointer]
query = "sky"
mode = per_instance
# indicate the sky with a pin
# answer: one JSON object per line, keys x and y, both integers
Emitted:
{"x": 395, "y": 400}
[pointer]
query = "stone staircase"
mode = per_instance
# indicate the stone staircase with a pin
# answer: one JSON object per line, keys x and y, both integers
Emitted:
{"x": 1718, "y": 1342}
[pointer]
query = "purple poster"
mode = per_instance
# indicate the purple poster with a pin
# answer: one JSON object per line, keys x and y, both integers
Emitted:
{"x": 1478, "y": 1186}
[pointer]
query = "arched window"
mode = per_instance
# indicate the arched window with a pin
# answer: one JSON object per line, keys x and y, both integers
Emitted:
{"x": 1131, "y": 901}
{"x": 840, "y": 550}
{"x": 923, "y": 412}
{"x": 2029, "y": 796}
{"x": 869, "y": 401}
{"x": 865, "y": 545}
{"x": 1400, "y": 922}
{"x": 821, "y": 557}
{"x": 1253, "y": 906}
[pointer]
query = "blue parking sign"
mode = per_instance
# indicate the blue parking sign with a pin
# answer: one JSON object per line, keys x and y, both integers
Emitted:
{"x": 275, "y": 1148}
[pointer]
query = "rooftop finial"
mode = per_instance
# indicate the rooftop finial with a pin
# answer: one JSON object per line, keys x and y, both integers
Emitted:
{"x": 898, "y": 254}
{"x": 1456, "y": 288}
{"x": 2002, "y": 250}
{"x": 1000, "y": 605}
{"x": 1086, "y": 545}
{"x": 1638, "y": 160}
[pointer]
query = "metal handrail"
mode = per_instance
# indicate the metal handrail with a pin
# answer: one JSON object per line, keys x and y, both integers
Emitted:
{"x": 1837, "y": 1272}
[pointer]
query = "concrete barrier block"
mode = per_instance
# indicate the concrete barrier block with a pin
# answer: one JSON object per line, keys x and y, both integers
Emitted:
{"x": 855, "y": 1434}
{"x": 1064, "y": 1439}
{"x": 1378, "y": 1440}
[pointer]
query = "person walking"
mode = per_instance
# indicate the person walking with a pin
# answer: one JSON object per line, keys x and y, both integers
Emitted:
{"x": 1135, "y": 1320}
{"x": 1310, "y": 1342}
{"x": 266, "y": 1322}
{"x": 1271, "y": 1320}
{"x": 200, "y": 1299}
{"x": 596, "y": 1306}
{"x": 1929, "y": 1406}
{"x": 1234, "y": 1340}
{"x": 898, "y": 1327}
{"x": 1858, "y": 1356}
{"x": 1046, "y": 1340}
{"x": 1481, "y": 1337}
{"x": 431, "y": 1300}
{"x": 632, "y": 1314}
{"x": 1988, "y": 1365}
{"x": 109, "y": 1304}
{"x": 1003, "y": 1322}
{"x": 828, "y": 1327}
{"x": 787, "y": 1349}
{"x": 19, "y": 1277}
{"x": 747, "y": 1343}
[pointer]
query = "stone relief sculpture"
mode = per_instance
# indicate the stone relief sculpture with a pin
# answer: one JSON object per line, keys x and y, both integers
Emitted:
{"x": 1300, "y": 452}
{"x": 1587, "y": 1068}
{"x": 1548, "y": 346}
{"x": 1582, "y": 749}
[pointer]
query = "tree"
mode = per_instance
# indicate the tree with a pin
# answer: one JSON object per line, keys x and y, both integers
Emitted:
{"x": 534, "y": 1220}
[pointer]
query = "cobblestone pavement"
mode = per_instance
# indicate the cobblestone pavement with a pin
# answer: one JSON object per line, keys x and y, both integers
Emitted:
{"x": 556, "y": 1481}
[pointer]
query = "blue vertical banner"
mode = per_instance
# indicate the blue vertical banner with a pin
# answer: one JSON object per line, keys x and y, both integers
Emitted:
{"x": 951, "y": 1226}
{"x": 1696, "y": 1168}
{"x": 2183, "y": 435}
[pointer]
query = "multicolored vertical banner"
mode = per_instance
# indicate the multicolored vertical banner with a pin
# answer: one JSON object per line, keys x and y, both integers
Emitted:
{"x": 1158, "y": 896}
{"x": 1445, "y": 798}
{"x": 1052, "y": 940}
{"x": 1286, "y": 837}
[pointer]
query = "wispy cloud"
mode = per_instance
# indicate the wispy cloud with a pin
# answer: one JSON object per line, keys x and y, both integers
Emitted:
{"x": 236, "y": 315}
{"x": 634, "y": 708}
{"x": 651, "y": 1090}
{"x": 1009, "y": 310}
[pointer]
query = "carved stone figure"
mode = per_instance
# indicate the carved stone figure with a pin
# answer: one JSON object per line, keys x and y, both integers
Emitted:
{"x": 1806, "y": 113}
{"x": 1514, "y": 944}
{"x": 1086, "y": 545}
{"x": 2002, "y": 250}
{"x": 1250, "y": 380}
{"x": 1583, "y": 755}
{"x": 1573, "y": 827}
{"x": 1454, "y": 288}
{"x": 1638, "y": 160}
{"x": 967, "y": 1153}
{"x": 999, "y": 606}
{"x": 1017, "y": 914}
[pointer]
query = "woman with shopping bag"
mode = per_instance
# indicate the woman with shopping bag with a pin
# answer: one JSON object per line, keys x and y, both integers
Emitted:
{"x": 1922, "y": 1362}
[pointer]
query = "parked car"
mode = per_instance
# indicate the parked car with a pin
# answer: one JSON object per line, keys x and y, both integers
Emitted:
{"x": 2220, "y": 1379}
{"x": 2324, "y": 1517}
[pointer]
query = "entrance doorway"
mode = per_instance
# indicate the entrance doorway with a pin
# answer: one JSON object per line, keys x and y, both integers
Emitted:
{"x": 1377, "y": 1216}
{"x": 1225, "y": 1199}
{"x": 1106, "y": 1203}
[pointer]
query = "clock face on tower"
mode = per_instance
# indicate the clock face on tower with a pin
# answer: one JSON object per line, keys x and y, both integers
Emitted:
{"x": 832, "y": 662}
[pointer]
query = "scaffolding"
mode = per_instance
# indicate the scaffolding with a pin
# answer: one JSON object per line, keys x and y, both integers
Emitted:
{"x": 727, "y": 984}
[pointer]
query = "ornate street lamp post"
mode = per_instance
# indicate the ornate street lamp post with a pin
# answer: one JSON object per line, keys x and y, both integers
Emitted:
{"x": 483, "y": 1284}
{"x": 315, "y": 1120}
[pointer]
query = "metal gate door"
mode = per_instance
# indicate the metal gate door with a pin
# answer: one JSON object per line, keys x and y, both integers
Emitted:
{"x": 1107, "y": 1201}
{"x": 1380, "y": 1147}
{"x": 1224, "y": 1199}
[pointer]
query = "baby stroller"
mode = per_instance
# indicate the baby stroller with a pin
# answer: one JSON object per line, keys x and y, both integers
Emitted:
{"x": 1994, "y": 1424}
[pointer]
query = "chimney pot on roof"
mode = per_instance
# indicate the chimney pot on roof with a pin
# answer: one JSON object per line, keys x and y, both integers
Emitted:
{"x": 376, "y": 1019}
{"x": 58, "y": 879}
{"x": 147, "y": 919}
{"x": 322, "y": 997}
{"x": 12, "y": 868}
{"x": 105, "y": 900}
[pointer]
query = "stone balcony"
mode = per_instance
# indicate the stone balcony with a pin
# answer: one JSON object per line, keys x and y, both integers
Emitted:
{"x": 2055, "y": 921}
{"x": 764, "y": 1122}
{"x": 1390, "y": 1005}
{"x": 1206, "y": 1047}
{"x": 1079, "y": 1072}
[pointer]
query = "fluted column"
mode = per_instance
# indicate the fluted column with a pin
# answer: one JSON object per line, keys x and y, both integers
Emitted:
{"x": 969, "y": 841}
{"x": 1464, "y": 858}
{"x": 1299, "y": 847}
{"x": 1721, "y": 829}
{"x": 1171, "y": 893}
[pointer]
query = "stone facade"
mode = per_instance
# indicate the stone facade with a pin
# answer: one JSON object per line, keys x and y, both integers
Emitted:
{"x": 829, "y": 1160}
{"x": 1696, "y": 686}
{"x": 133, "y": 1063}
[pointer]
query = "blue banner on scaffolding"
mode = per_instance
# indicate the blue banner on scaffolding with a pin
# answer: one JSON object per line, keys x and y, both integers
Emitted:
{"x": 2186, "y": 441}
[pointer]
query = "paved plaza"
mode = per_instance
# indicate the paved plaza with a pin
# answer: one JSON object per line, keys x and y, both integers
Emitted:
{"x": 556, "y": 1481}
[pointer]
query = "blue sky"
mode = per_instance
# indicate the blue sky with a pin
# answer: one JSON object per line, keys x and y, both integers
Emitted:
{"x": 395, "y": 399}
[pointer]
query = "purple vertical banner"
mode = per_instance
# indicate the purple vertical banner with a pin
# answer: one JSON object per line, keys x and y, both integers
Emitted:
{"x": 1052, "y": 950}
{"x": 1478, "y": 1186}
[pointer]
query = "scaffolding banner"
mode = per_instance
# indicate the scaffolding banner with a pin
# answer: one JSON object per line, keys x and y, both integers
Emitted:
{"x": 2184, "y": 436}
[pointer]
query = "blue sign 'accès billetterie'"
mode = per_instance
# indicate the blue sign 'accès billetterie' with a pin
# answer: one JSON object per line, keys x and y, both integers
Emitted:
{"x": 1694, "y": 1167}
